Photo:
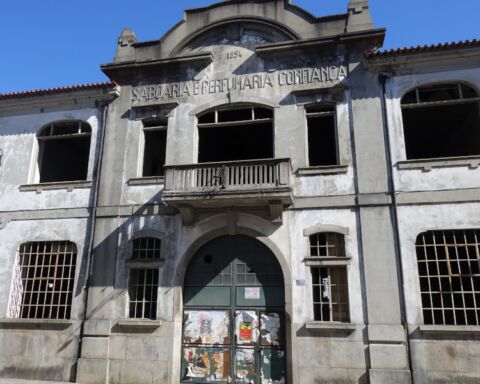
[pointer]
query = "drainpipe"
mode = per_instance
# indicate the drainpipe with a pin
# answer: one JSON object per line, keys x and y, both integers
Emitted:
{"x": 97, "y": 168}
{"x": 382, "y": 78}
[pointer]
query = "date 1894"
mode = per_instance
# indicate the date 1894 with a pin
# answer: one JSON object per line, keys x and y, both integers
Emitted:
{"x": 234, "y": 55}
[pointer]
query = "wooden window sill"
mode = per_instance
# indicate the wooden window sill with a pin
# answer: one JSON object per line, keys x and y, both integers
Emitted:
{"x": 138, "y": 325}
{"x": 442, "y": 162}
{"x": 322, "y": 170}
{"x": 330, "y": 326}
{"x": 33, "y": 324}
{"x": 461, "y": 330}
{"x": 68, "y": 185}
{"x": 151, "y": 180}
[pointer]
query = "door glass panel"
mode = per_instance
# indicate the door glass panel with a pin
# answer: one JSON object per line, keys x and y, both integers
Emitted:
{"x": 246, "y": 327}
{"x": 206, "y": 365}
{"x": 272, "y": 366}
{"x": 206, "y": 327}
{"x": 245, "y": 368}
{"x": 271, "y": 329}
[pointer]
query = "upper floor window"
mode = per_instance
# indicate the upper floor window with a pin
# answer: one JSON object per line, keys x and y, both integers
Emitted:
{"x": 155, "y": 147}
{"x": 328, "y": 265}
{"x": 449, "y": 271}
{"x": 322, "y": 135}
{"x": 64, "y": 151}
{"x": 243, "y": 133}
{"x": 143, "y": 278}
{"x": 441, "y": 120}
{"x": 43, "y": 280}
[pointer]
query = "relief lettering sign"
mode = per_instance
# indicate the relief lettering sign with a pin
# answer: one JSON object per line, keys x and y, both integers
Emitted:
{"x": 160, "y": 93}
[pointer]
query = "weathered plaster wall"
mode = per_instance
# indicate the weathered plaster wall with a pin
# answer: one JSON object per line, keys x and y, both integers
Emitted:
{"x": 439, "y": 358}
{"x": 20, "y": 149}
{"x": 27, "y": 351}
{"x": 451, "y": 177}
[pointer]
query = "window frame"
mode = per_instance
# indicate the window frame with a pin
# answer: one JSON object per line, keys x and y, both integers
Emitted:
{"x": 38, "y": 159}
{"x": 307, "y": 115}
{"x": 148, "y": 125}
{"x": 143, "y": 264}
{"x": 330, "y": 262}
{"x": 449, "y": 287}
{"x": 429, "y": 162}
{"x": 16, "y": 300}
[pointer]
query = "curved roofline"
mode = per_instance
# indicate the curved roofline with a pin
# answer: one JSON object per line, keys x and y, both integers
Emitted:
{"x": 254, "y": 19}
{"x": 287, "y": 4}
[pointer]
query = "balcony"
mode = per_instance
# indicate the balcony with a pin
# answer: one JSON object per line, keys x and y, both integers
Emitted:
{"x": 245, "y": 183}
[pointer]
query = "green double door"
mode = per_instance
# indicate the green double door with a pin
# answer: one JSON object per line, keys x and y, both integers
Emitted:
{"x": 234, "y": 323}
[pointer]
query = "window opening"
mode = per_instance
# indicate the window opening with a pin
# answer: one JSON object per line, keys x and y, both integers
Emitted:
{"x": 441, "y": 120}
{"x": 449, "y": 272}
{"x": 64, "y": 151}
{"x": 322, "y": 136}
{"x": 245, "y": 133}
{"x": 155, "y": 135}
{"x": 143, "y": 279}
{"x": 44, "y": 277}
{"x": 143, "y": 291}
{"x": 329, "y": 283}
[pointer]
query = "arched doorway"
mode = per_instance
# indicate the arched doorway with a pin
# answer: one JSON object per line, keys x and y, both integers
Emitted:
{"x": 233, "y": 319}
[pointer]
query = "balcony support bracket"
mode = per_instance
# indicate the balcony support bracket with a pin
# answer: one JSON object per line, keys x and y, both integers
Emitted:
{"x": 187, "y": 213}
{"x": 276, "y": 211}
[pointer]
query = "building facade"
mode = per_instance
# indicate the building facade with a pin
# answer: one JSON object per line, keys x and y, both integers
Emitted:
{"x": 260, "y": 196}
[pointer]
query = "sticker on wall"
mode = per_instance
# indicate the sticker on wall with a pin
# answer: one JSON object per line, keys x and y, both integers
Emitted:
{"x": 270, "y": 329}
{"x": 206, "y": 327}
{"x": 252, "y": 293}
{"x": 246, "y": 327}
{"x": 245, "y": 365}
{"x": 206, "y": 365}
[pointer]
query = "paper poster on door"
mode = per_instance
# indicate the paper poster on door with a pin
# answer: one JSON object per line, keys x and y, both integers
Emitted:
{"x": 252, "y": 293}
{"x": 246, "y": 327}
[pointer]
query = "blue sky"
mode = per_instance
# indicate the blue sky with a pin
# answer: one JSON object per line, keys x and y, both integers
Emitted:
{"x": 51, "y": 43}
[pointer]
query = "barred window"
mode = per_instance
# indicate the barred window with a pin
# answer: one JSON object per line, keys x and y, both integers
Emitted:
{"x": 43, "y": 280}
{"x": 329, "y": 277}
{"x": 143, "y": 278}
{"x": 142, "y": 289}
{"x": 449, "y": 271}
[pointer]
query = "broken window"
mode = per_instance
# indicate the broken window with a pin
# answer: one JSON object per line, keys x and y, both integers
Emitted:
{"x": 64, "y": 150}
{"x": 441, "y": 120}
{"x": 43, "y": 281}
{"x": 329, "y": 277}
{"x": 449, "y": 272}
{"x": 322, "y": 135}
{"x": 143, "y": 282}
{"x": 244, "y": 133}
{"x": 155, "y": 138}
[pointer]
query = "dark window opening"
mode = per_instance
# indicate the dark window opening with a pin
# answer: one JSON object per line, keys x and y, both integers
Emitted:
{"x": 449, "y": 272}
{"x": 441, "y": 121}
{"x": 235, "y": 134}
{"x": 155, "y": 134}
{"x": 43, "y": 281}
{"x": 147, "y": 248}
{"x": 322, "y": 136}
{"x": 64, "y": 152}
{"x": 143, "y": 293}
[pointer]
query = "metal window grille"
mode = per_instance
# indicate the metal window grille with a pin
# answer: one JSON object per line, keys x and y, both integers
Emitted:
{"x": 146, "y": 248}
{"x": 44, "y": 278}
{"x": 449, "y": 272}
{"x": 327, "y": 244}
{"x": 330, "y": 297}
{"x": 143, "y": 292}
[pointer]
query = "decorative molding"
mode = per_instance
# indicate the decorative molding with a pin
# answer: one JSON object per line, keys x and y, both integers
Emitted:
{"x": 36, "y": 324}
{"x": 319, "y": 228}
{"x": 323, "y": 170}
{"x": 442, "y": 162}
{"x": 153, "y": 180}
{"x": 276, "y": 211}
{"x": 68, "y": 185}
{"x": 450, "y": 329}
{"x": 327, "y": 261}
